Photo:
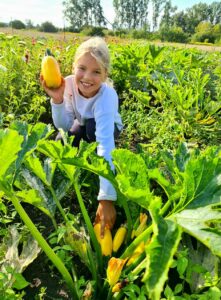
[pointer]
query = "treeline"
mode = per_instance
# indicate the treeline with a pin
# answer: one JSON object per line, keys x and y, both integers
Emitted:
{"x": 17, "y": 24}
{"x": 149, "y": 19}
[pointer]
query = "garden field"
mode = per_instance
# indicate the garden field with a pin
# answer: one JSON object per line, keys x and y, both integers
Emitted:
{"x": 168, "y": 178}
{"x": 63, "y": 35}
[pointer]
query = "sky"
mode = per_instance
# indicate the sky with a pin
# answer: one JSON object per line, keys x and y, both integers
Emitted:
{"x": 39, "y": 11}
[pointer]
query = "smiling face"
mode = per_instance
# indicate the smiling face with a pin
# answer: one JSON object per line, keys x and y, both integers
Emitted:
{"x": 89, "y": 75}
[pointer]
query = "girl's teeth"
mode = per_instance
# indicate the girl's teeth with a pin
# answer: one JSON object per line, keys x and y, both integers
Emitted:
{"x": 86, "y": 84}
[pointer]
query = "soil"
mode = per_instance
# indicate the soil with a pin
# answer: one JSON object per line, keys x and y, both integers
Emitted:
{"x": 40, "y": 277}
{"x": 40, "y": 273}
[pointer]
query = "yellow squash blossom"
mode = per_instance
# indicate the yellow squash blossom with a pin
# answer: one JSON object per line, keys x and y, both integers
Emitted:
{"x": 115, "y": 266}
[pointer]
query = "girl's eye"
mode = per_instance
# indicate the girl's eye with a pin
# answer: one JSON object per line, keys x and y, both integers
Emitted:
{"x": 97, "y": 72}
{"x": 81, "y": 68}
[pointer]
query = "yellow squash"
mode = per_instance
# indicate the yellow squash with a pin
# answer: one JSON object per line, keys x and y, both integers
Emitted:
{"x": 51, "y": 71}
{"x": 105, "y": 242}
{"x": 119, "y": 238}
{"x": 137, "y": 252}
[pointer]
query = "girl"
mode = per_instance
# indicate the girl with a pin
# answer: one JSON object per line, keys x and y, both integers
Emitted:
{"x": 86, "y": 106}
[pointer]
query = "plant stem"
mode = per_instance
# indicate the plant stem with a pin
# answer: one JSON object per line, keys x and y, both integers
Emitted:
{"x": 110, "y": 294}
{"x": 170, "y": 201}
{"x": 58, "y": 204}
{"x": 142, "y": 237}
{"x": 134, "y": 265}
{"x": 140, "y": 267}
{"x": 89, "y": 227}
{"x": 127, "y": 212}
{"x": 75, "y": 278}
{"x": 44, "y": 245}
{"x": 106, "y": 292}
{"x": 165, "y": 208}
{"x": 92, "y": 265}
{"x": 54, "y": 222}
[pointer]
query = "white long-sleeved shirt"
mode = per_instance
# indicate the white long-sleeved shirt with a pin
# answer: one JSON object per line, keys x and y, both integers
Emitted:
{"x": 103, "y": 107}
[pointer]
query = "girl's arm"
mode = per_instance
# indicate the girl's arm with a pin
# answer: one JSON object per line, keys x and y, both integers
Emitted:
{"x": 104, "y": 117}
{"x": 61, "y": 103}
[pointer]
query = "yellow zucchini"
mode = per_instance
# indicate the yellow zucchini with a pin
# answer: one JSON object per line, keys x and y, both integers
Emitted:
{"x": 137, "y": 252}
{"x": 51, "y": 71}
{"x": 105, "y": 242}
{"x": 119, "y": 238}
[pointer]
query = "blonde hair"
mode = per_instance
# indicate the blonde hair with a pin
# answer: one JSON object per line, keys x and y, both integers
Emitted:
{"x": 97, "y": 47}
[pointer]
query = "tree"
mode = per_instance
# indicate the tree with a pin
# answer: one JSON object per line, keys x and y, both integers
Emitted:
{"x": 81, "y": 13}
{"x": 205, "y": 27}
{"x": 217, "y": 29}
{"x": 173, "y": 34}
{"x": 180, "y": 20}
{"x": 48, "y": 27}
{"x": 204, "y": 33}
{"x": 166, "y": 20}
{"x": 17, "y": 24}
{"x": 189, "y": 19}
{"x": 29, "y": 24}
{"x": 156, "y": 6}
{"x": 196, "y": 14}
{"x": 3, "y": 24}
{"x": 217, "y": 32}
{"x": 215, "y": 13}
{"x": 131, "y": 14}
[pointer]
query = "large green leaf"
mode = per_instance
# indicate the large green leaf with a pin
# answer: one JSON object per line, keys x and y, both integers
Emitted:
{"x": 69, "y": 158}
{"x": 35, "y": 183}
{"x": 34, "y": 165}
{"x": 193, "y": 177}
{"x": 204, "y": 224}
{"x": 206, "y": 174}
{"x": 155, "y": 51}
{"x": 203, "y": 265}
{"x": 49, "y": 169}
{"x": 10, "y": 145}
{"x": 15, "y": 143}
{"x": 31, "y": 135}
{"x": 202, "y": 180}
{"x": 160, "y": 251}
{"x": 132, "y": 176}
{"x": 32, "y": 197}
{"x": 56, "y": 151}
{"x": 182, "y": 156}
{"x": 40, "y": 178}
{"x": 165, "y": 183}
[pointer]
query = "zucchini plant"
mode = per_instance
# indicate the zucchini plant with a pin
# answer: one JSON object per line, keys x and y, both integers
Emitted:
{"x": 188, "y": 202}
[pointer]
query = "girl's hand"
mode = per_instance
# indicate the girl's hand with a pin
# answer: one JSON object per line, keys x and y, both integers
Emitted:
{"x": 106, "y": 215}
{"x": 57, "y": 94}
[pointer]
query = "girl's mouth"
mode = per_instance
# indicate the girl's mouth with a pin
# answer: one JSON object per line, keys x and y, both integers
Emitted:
{"x": 86, "y": 84}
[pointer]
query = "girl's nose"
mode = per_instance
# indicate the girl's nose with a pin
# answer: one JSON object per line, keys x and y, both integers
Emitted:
{"x": 87, "y": 75}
